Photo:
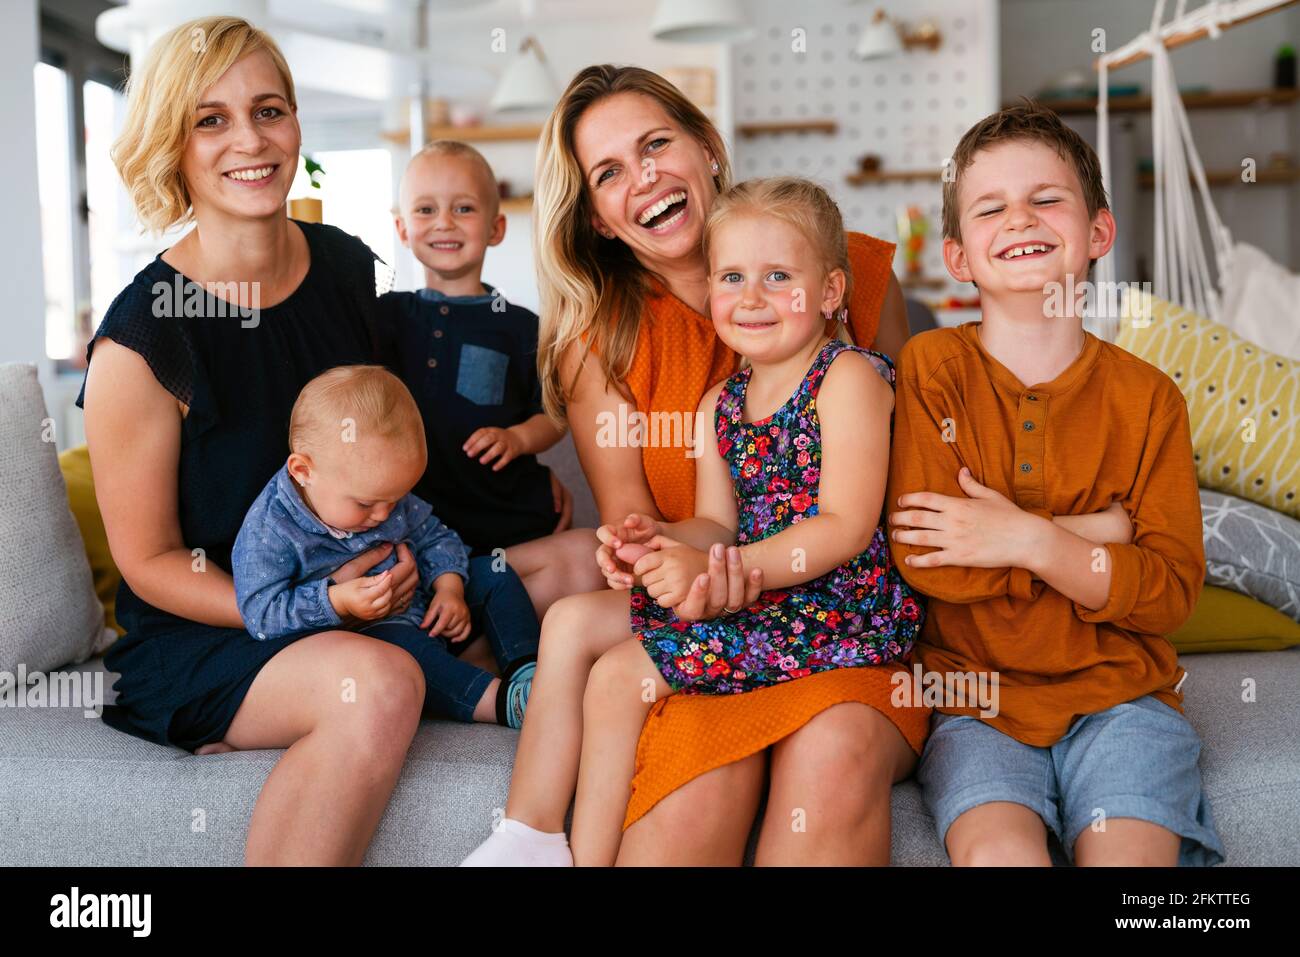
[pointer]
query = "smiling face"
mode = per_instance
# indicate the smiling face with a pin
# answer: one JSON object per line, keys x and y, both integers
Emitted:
{"x": 354, "y": 486}
{"x": 449, "y": 213}
{"x": 768, "y": 293}
{"x": 242, "y": 152}
{"x": 650, "y": 182}
{"x": 1024, "y": 221}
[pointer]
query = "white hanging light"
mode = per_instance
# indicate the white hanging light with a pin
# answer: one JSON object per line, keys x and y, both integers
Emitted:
{"x": 879, "y": 39}
{"x": 527, "y": 83}
{"x": 700, "y": 21}
{"x": 133, "y": 27}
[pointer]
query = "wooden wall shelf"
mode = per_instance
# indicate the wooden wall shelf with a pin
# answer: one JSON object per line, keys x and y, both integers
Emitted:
{"x": 1226, "y": 100}
{"x": 1231, "y": 177}
{"x": 792, "y": 126}
{"x": 470, "y": 134}
{"x": 893, "y": 176}
{"x": 517, "y": 204}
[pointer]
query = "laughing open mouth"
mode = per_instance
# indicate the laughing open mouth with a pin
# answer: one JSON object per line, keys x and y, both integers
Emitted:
{"x": 665, "y": 212}
{"x": 1025, "y": 250}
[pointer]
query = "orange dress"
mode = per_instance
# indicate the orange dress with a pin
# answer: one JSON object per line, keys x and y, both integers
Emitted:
{"x": 678, "y": 358}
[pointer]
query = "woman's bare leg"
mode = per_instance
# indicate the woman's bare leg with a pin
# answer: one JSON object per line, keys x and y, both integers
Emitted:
{"x": 704, "y": 823}
{"x": 576, "y": 631}
{"x": 557, "y": 565}
{"x": 828, "y": 803}
{"x": 623, "y": 686}
{"x": 346, "y": 707}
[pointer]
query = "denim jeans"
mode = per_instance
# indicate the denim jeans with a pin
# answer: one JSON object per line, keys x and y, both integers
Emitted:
{"x": 498, "y": 605}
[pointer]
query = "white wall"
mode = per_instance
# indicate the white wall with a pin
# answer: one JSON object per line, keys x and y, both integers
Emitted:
{"x": 22, "y": 321}
{"x": 909, "y": 109}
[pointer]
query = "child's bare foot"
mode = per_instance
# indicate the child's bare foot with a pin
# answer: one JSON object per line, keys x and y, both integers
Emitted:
{"x": 216, "y": 747}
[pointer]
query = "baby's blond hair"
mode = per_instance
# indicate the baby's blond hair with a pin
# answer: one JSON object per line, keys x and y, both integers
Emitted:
{"x": 349, "y": 403}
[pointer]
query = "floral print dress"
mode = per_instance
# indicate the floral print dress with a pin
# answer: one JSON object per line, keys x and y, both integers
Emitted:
{"x": 860, "y": 613}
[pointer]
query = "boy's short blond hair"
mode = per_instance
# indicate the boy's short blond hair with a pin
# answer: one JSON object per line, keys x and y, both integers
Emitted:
{"x": 460, "y": 150}
{"x": 361, "y": 401}
{"x": 162, "y": 97}
{"x": 1027, "y": 121}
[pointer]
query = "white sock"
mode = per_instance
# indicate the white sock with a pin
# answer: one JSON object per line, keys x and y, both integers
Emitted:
{"x": 515, "y": 844}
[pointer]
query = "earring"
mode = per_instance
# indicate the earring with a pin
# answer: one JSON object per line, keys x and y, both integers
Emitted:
{"x": 715, "y": 166}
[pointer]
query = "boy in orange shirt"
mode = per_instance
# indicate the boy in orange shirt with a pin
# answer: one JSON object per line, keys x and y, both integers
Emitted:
{"x": 1047, "y": 504}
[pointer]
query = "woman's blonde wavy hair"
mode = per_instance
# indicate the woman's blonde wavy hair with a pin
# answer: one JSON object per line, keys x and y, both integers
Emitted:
{"x": 590, "y": 285}
{"x": 162, "y": 99}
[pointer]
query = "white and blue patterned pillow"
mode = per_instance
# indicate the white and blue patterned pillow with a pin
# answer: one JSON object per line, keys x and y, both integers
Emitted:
{"x": 1253, "y": 550}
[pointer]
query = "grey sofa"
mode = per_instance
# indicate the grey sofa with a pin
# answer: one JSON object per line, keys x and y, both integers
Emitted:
{"x": 75, "y": 792}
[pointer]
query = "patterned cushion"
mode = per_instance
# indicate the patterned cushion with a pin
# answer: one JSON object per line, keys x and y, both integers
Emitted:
{"x": 1252, "y": 550}
{"x": 1244, "y": 402}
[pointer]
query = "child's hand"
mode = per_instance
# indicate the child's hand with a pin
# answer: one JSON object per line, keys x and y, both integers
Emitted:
{"x": 448, "y": 614}
{"x": 622, "y": 546}
{"x": 670, "y": 569}
{"x": 367, "y": 598}
{"x": 502, "y": 444}
{"x": 986, "y": 530}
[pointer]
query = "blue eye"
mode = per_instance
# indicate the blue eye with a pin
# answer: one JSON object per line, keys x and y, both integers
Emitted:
{"x": 604, "y": 173}
{"x": 778, "y": 275}
{"x": 728, "y": 277}
{"x": 464, "y": 209}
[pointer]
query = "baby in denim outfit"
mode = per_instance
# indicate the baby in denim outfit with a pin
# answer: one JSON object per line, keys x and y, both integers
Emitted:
{"x": 357, "y": 442}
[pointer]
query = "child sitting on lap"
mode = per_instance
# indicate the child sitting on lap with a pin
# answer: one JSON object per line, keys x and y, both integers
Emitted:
{"x": 796, "y": 477}
{"x": 357, "y": 449}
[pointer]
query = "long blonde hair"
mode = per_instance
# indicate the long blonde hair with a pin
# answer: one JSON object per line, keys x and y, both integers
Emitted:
{"x": 588, "y": 285}
{"x": 162, "y": 98}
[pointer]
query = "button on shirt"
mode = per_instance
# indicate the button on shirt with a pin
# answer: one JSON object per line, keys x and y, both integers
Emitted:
{"x": 284, "y": 556}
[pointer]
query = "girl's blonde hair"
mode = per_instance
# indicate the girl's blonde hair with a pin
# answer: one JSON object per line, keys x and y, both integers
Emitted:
{"x": 591, "y": 286}
{"x": 162, "y": 99}
{"x": 799, "y": 203}
{"x": 361, "y": 401}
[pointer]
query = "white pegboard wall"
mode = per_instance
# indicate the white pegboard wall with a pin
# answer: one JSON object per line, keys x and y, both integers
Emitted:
{"x": 908, "y": 109}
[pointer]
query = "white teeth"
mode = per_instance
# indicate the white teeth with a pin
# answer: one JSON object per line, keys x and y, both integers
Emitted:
{"x": 250, "y": 175}
{"x": 652, "y": 211}
{"x": 1023, "y": 250}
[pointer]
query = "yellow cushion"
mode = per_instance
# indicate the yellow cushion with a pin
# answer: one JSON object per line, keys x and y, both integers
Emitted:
{"x": 1243, "y": 402}
{"x": 75, "y": 464}
{"x": 1229, "y": 621}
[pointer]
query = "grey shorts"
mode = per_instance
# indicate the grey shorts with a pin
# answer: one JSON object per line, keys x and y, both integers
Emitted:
{"x": 1137, "y": 759}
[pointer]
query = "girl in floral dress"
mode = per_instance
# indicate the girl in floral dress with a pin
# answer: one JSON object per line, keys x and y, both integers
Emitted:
{"x": 793, "y": 453}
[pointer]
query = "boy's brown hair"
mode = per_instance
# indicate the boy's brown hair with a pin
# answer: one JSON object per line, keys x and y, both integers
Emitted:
{"x": 1026, "y": 121}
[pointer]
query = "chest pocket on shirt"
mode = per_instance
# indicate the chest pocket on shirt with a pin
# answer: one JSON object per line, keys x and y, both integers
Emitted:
{"x": 481, "y": 377}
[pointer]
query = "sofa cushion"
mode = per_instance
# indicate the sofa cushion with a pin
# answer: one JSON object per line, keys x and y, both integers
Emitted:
{"x": 49, "y": 614}
{"x": 1253, "y": 550}
{"x": 75, "y": 792}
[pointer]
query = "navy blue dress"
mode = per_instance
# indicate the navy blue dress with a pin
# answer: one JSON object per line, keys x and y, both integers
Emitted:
{"x": 182, "y": 682}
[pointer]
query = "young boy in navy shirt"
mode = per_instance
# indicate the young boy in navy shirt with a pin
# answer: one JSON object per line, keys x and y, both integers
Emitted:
{"x": 469, "y": 356}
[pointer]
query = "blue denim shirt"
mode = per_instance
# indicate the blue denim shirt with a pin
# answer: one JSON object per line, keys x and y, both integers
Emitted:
{"x": 284, "y": 556}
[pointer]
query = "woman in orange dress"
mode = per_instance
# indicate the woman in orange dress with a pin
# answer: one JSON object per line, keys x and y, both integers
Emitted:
{"x": 627, "y": 171}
